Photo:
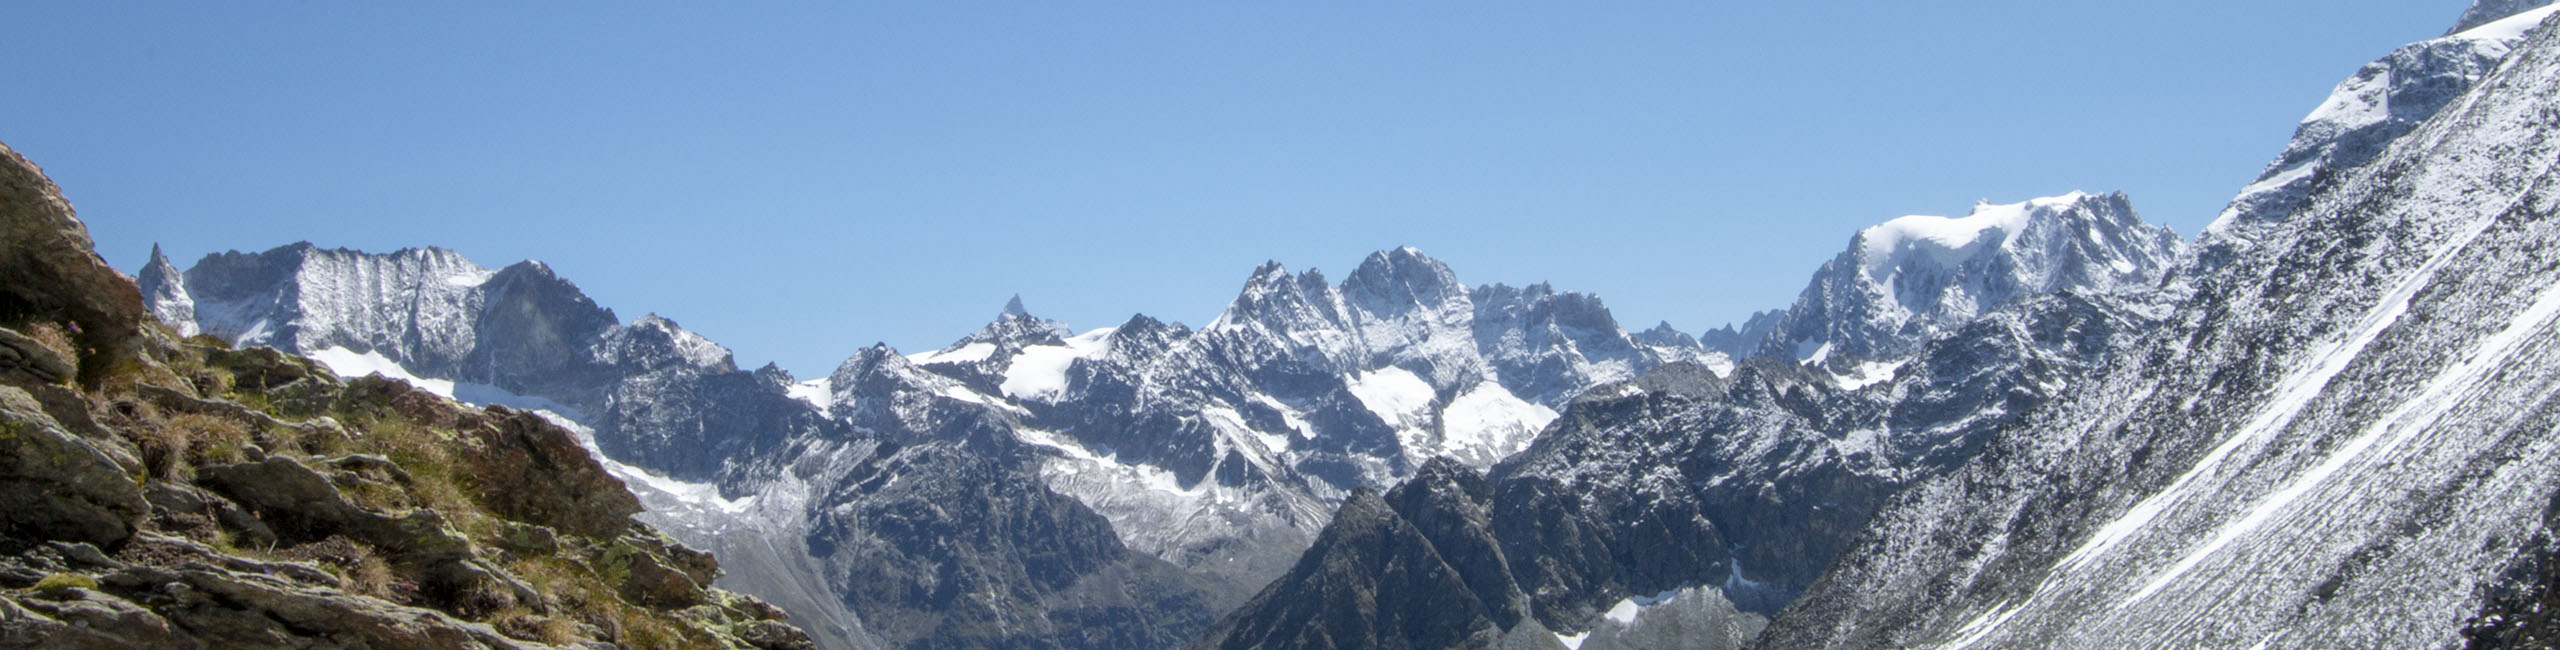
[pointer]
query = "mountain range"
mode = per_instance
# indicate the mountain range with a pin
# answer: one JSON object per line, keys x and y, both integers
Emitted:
{"x": 2041, "y": 423}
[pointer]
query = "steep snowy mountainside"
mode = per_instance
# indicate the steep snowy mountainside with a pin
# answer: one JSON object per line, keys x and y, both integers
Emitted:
{"x": 1225, "y": 448}
{"x": 414, "y": 306}
{"x": 164, "y": 291}
{"x": 1721, "y": 494}
{"x": 1907, "y": 281}
{"x": 2345, "y": 439}
{"x": 2381, "y": 102}
{"x": 657, "y": 395}
{"x": 2483, "y": 12}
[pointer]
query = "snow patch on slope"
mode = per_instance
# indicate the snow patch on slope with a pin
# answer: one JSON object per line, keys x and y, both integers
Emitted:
{"x": 815, "y": 392}
{"x": 651, "y": 487}
{"x": 350, "y": 363}
{"x": 971, "y": 353}
{"x": 1486, "y": 423}
{"x": 1041, "y": 370}
{"x": 702, "y": 496}
{"x": 1396, "y": 395}
{"x": 1868, "y": 374}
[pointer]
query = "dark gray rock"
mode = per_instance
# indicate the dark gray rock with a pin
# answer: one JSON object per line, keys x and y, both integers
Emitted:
{"x": 26, "y": 360}
{"x": 55, "y": 485}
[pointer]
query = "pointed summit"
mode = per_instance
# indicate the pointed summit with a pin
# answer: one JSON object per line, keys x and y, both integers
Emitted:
{"x": 164, "y": 292}
{"x": 1664, "y": 335}
{"x": 1016, "y": 327}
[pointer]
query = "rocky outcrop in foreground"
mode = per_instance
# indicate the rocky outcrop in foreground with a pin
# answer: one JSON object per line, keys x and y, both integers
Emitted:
{"x": 158, "y": 493}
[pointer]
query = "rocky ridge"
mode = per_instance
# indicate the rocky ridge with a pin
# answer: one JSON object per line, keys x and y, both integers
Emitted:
{"x": 1683, "y": 500}
{"x": 1911, "y": 280}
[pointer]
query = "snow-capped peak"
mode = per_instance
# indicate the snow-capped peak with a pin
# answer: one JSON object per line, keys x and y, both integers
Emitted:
{"x": 1949, "y": 239}
{"x": 1911, "y": 279}
{"x": 1015, "y": 327}
{"x": 164, "y": 290}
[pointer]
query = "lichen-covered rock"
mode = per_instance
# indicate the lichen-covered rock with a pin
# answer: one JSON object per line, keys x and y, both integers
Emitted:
{"x": 57, "y": 486}
{"x": 84, "y": 619}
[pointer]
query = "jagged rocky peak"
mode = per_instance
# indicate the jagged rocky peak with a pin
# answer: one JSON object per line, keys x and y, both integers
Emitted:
{"x": 877, "y": 360}
{"x": 1909, "y": 280}
{"x": 654, "y": 334}
{"x": 1664, "y": 335}
{"x": 1143, "y": 336}
{"x": 1274, "y": 299}
{"x": 164, "y": 291}
{"x": 2365, "y": 113}
{"x": 1016, "y": 327}
{"x": 1392, "y": 282}
{"x": 1742, "y": 340}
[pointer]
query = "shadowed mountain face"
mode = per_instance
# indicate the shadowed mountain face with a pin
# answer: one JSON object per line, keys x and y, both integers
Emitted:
{"x": 1725, "y": 496}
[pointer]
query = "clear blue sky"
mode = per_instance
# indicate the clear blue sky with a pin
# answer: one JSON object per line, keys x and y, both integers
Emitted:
{"x": 797, "y": 179}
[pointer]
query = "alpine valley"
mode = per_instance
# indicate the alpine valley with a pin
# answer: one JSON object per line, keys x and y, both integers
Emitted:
{"x": 2325, "y": 422}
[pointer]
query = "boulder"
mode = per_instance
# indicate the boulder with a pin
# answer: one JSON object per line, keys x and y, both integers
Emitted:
{"x": 49, "y": 270}
{"x": 23, "y": 359}
{"x": 55, "y": 485}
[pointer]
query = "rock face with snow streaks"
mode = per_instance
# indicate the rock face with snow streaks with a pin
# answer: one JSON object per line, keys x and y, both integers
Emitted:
{"x": 1221, "y": 450}
{"x": 1911, "y": 280}
{"x": 1684, "y": 486}
{"x": 1226, "y": 448}
{"x": 2367, "y": 112}
{"x": 2344, "y": 440}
